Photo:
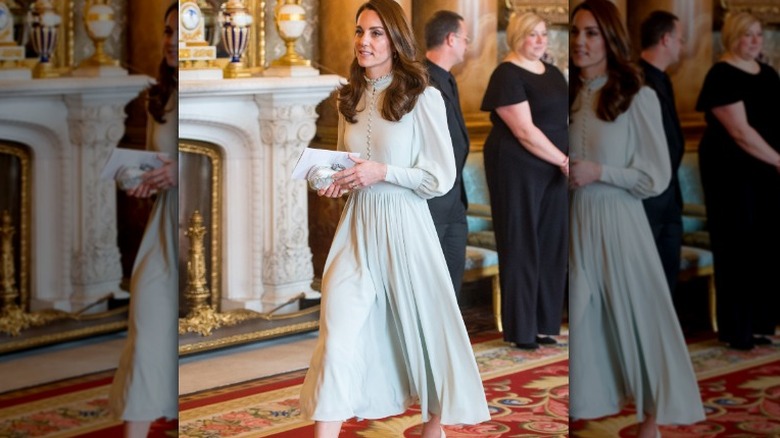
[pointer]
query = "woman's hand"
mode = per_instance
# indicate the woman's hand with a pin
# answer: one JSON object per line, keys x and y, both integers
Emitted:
{"x": 332, "y": 191}
{"x": 565, "y": 167}
{"x": 155, "y": 180}
{"x": 362, "y": 174}
{"x": 582, "y": 173}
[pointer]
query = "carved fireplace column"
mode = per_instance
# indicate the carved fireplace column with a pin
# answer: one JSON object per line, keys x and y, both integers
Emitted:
{"x": 96, "y": 124}
{"x": 71, "y": 125}
{"x": 287, "y": 125}
{"x": 261, "y": 126}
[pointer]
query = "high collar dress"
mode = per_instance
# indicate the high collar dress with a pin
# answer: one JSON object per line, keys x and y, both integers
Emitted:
{"x": 626, "y": 344}
{"x": 146, "y": 384}
{"x": 391, "y": 333}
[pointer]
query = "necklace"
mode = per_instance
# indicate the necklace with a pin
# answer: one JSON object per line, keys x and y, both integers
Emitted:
{"x": 377, "y": 80}
{"x": 371, "y": 107}
{"x": 588, "y": 81}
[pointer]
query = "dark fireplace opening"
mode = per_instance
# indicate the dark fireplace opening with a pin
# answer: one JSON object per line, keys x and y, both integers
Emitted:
{"x": 199, "y": 166}
{"x": 15, "y": 159}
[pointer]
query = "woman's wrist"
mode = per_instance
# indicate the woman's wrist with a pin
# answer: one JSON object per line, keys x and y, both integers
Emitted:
{"x": 565, "y": 162}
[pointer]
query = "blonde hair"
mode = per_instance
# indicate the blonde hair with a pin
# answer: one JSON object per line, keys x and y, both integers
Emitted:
{"x": 520, "y": 26}
{"x": 734, "y": 26}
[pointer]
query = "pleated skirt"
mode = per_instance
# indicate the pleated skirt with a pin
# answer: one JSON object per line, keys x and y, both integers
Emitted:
{"x": 391, "y": 333}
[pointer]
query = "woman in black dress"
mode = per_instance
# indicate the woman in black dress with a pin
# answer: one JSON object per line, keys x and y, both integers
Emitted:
{"x": 740, "y": 171}
{"x": 526, "y": 165}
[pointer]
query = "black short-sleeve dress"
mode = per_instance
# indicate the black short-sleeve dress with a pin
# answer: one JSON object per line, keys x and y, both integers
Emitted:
{"x": 742, "y": 197}
{"x": 529, "y": 201}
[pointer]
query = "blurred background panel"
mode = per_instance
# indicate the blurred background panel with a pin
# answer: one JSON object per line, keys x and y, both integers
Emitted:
{"x": 72, "y": 81}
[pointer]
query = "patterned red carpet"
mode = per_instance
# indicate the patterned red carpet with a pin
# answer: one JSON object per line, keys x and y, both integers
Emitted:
{"x": 70, "y": 408}
{"x": 740, "y": 391}
{"x": 527, "y": 392}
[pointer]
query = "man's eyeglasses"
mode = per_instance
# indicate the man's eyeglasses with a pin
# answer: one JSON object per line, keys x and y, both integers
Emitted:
{"x": 465, "y": 38}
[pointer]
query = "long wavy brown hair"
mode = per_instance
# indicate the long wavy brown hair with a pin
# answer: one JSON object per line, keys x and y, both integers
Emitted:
{"x": 624, "y": 78}
{"x": 160, "y": 92}
{"x": 409, "y": 75}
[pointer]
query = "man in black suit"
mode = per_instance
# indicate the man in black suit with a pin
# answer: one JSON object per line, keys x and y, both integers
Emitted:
{"x": 662, "y": 43}
{"x": 446, "y": 41}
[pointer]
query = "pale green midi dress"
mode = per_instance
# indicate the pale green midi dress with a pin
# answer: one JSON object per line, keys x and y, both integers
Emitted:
{"x": 625, "y": 341}
{"x": 391, "y": 333}
{"x": 146, "y": 384}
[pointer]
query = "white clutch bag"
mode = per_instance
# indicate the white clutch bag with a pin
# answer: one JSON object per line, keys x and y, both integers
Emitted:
{"x": 320, "y": 177}
{"x": 127, "y": 166}
{"x": 130, "y": 177}
{"x": 317, "y": 166}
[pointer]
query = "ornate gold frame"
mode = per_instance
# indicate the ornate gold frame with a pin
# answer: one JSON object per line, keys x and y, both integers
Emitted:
{"x": 256, "y": 48}
{"x": 214, "y": 156}
{"x": 24, "y": 156}
{"x": 766, "y": 10}
{"x": 255, "y": 326}
{"x": 554, "y": 11}
{"x": 115, "y": 320}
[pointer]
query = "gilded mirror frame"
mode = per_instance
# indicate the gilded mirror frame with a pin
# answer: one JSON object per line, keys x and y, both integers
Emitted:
{"x": 767, "y": 11}
{"x": 241, "y": 326}
{"x": 52, "y": 326}
{"x": 23, "y": 228}
{"x": 256, "y": 47}
{"x": 212, "y": 152}
{"x": 555, "y": 11}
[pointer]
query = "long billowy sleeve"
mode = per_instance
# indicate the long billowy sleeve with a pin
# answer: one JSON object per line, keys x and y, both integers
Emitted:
{"x": 433, "y": 170}
{"x": 649, "y": 168}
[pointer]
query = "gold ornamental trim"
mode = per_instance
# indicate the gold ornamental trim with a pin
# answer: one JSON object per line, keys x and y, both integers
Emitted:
{"x": 204, "y": 313}
{"x": 92, "y": 16}
{"x": 68, "y": 335}
{"x": 214, "y": 155}
{"x": 206, "y": 53}
{"x": 248, "y": 337}
{"x": 255, "y": 51}
{"x": 25, "y": 158}
{"x": 767, "y": 11}
{"x": 203, "y": 319}
{"x": 291, "y": 17}
{"x": 554, "y": 11}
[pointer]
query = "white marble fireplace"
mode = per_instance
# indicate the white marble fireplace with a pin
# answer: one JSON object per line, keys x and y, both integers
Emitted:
{"x": 71, "y": 126}
{"x": 261, "y": 126}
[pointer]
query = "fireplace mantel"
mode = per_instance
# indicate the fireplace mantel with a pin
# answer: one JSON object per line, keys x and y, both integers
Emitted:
{"x": 261, "y": 126}
{"x": 71, "y": 125}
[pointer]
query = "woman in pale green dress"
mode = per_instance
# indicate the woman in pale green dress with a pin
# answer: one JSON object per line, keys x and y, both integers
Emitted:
{"x": 145, "y": 385}
{"x": 391, "y": 333}
{"x": 626, "y": 342}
